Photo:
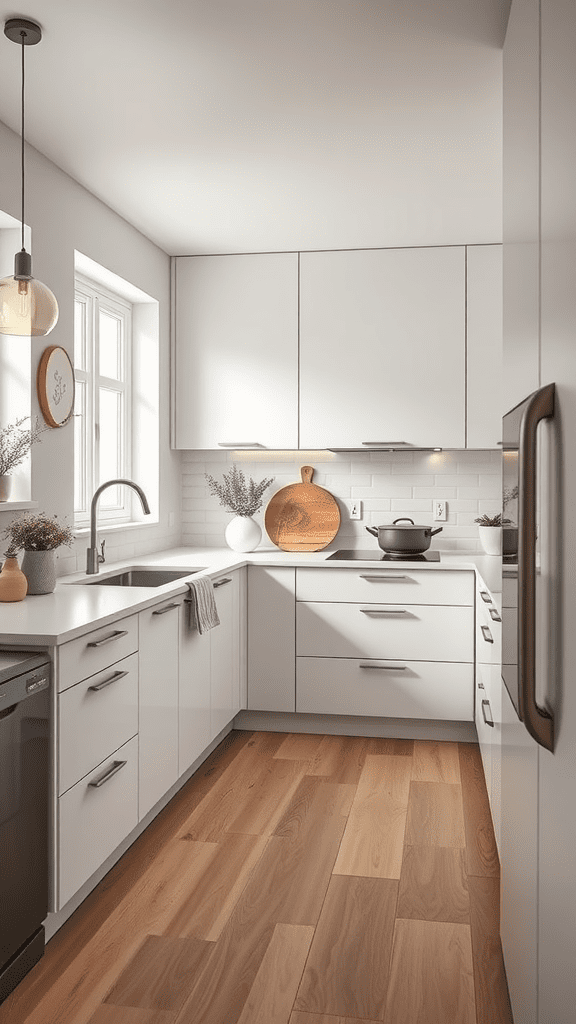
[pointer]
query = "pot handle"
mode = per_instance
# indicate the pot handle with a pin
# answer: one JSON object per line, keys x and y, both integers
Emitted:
{"x": 372, "y": 530}
{"x": 434, "y": 532}
{"x": 404, "y": 519}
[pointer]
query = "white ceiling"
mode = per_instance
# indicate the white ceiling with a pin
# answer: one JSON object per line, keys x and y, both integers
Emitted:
{"x": 257, "y": 125}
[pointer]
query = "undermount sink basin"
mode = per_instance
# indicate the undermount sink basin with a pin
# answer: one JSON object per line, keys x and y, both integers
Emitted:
{"x": 141, "y": 576}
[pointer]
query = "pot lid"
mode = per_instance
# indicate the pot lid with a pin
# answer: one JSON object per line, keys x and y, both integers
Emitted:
{"x": 404, "y": 524}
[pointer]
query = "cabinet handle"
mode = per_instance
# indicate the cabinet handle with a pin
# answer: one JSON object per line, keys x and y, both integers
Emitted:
{"x": 365, "y": 576}
{"x": 481, "y": 686}
{"x": 166, "y": 608}
{"x": 108, "y": 639}
{"x": 488, "y": 721}
{"x": 221, "y": 583}
{"x": 240, "y": 444}
{"x": 386, "y": 668}
{"x": 384, "y": 611}
{"x": 494, "y": 615}
{"x": 485, "y": 596}
{"x": 386, "y": 443}
{"x": 106, "y": 682}
{"x": 108, "y": 774}
{"x": 487, "y": 634}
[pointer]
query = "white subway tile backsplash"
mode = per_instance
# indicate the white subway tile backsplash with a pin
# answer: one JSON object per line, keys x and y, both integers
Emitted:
{"x": 390, "y": 484}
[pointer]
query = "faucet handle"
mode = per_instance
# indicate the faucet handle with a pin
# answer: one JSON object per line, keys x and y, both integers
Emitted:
{"x": 101, "y": 557}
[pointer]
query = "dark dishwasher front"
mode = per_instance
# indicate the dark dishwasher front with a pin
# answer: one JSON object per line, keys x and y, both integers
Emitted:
{"x": 24, "y": 795}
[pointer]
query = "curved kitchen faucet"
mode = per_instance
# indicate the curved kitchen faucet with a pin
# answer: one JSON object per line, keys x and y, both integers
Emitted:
{"x": 93, "y": 558}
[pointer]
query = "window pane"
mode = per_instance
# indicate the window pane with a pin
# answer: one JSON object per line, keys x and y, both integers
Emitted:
{"x": 110, "y": 345}
{"x": 80, "y": 334}
{"x": 80, "y": 503}
{"x": 111, "y": 445}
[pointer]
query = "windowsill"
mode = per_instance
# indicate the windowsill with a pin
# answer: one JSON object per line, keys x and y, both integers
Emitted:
{"x": 84, "y": 531}
{"x": 13, "y": 506}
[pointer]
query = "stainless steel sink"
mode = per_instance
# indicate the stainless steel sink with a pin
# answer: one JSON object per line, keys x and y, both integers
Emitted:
{"x": 140, "y": 576}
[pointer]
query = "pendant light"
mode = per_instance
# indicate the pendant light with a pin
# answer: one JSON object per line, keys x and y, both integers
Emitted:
{"x": 27, "y": 307}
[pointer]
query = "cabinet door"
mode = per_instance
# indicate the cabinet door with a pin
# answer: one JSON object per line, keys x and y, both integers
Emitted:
{"x": 194, "y": 692}
{"x": 484, "y": 346}
{"x": 158, "y": 703}
{"x": 224, "y": 675}
{"x": 271, "y": 613}
{"x": 236, "y": 351}
{"x": 382, "y": 352}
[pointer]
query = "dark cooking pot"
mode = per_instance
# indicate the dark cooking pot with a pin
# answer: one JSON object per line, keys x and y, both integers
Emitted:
{"x": 400, "y": 539}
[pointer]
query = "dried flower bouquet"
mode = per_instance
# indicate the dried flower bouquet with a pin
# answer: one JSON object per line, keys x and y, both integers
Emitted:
{"x": 37, "y": 533}
{"x": 239, "y": 497}
{"x": 15, "y": 443}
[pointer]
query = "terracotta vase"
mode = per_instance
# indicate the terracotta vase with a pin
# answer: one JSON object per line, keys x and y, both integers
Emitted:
{"x": 13, "y": 583}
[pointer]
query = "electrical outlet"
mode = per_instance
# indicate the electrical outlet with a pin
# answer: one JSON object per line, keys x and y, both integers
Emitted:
{"x": 355, "y": 508}
{"x": 440, "y": 511}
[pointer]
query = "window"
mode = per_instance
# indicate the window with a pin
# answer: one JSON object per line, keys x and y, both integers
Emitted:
{"x": 103, "y": 410}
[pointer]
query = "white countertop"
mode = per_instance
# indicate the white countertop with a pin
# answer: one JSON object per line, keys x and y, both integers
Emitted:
{"x": 51, "y": 619}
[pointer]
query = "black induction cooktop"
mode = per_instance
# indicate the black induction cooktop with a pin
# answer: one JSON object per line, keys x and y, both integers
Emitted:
{"x": 351, "y": 555}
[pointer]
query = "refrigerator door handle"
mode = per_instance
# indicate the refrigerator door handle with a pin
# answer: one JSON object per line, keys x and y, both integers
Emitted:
{"x": 538, "y": 721}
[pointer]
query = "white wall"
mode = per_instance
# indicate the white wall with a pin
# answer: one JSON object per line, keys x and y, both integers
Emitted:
{"x": 63, "y": 217}
{"x": 389, "y": 484}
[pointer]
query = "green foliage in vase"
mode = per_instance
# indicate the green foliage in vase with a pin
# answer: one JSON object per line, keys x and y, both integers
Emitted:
{"x": 239, "y": 497}
{"x": 495, "y": 520}
{"x": 37, "y": 533}
{"x": 15, "y": 443}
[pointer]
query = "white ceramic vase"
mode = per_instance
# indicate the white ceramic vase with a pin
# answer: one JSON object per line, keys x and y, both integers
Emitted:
{"x": 243, "y": 534}
{"x": 5, "y": 486}
{"x": 39, "y": 568}
{"x": 491, "y": 539}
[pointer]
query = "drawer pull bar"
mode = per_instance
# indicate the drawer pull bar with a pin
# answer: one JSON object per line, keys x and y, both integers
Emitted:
{"x": 488, "y": 721}
{"x": 388, "y": 668}
{"x": 384, "y": 611}
{"x": 108, "y": 774}
{"x": 494, "y": 615}
{"x": 485, "y": 597}
{"x": 487, "y": 634}
{"x": 375, "y": 578}
{"x": 166, "y": 608}
{"x": 108, "y": 639}
{"x": 240, "y": 444}
{"x": 221, "y": 583}
{"x": 106, "y": 682}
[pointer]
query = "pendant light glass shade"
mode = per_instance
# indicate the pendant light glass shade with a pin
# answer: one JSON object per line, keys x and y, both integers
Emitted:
{"x": 28, "y": 309}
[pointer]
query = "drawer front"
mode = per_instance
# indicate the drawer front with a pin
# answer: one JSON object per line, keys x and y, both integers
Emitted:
{"x": 93, "y": 821}
{"x": 488, "y": 634}
{"x": 399, "y": 689}
{"x": 407, "y": 586}
{"x": 416, "y": 632}
{"x": 95, "y": 717}
{"x": 94, "y": 651}
{"x": 485, "y": 731}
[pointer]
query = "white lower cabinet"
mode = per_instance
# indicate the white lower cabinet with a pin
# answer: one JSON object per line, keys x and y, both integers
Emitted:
{"x": 409, "y": 689}
{"x": 194, "y": 731}
{"x": 95, "y": 816}
{"x": 225, "y": 653}
{"x": 488, "y": 711}
{"x": 271, "y": 632}
{"x": 158, "y": 724}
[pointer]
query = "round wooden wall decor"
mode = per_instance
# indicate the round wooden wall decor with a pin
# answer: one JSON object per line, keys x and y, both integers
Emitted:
{"x": 55, "y": 386}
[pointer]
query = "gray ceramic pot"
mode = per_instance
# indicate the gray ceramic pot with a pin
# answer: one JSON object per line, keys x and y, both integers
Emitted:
{"x": 399, "y": 539}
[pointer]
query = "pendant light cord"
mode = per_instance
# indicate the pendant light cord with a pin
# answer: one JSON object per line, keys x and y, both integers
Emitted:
{"x": 23, "y": 37}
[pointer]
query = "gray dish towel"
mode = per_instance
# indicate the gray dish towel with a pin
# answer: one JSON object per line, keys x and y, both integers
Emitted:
{"x": 203, "y": 611}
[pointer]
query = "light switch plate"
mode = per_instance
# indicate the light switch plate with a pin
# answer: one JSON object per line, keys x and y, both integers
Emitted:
{"x": 355, "y": 508}
{"x": 440, "y": 511}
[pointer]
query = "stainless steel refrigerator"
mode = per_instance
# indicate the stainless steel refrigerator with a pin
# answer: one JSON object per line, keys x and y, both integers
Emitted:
{"x": 538, "y": 842}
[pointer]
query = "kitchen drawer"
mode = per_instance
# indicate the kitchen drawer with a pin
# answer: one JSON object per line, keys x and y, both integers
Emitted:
{"x": 415, "y": 632}
{"x": 94, "y": 651}
{"x": 399, "y": 689}
{"x": 485, "y": 731}
{"x": 488, "y": 634}
{"x": 93, "y": 821}
{"x": 94, "y": 722}
{"x": 386, "y": 584}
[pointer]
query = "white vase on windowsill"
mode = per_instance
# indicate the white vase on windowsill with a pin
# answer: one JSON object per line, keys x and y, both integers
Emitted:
{"x": 5, "y": 486}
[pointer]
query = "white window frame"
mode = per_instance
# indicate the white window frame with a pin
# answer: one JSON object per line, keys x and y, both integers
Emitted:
{"x": 95, "y": 299}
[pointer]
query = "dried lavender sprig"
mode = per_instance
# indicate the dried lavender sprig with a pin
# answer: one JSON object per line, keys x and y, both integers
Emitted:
{"x": 15, "y": 443}
{"x": 244, "y": 499}
{"x": 37, "y": 533}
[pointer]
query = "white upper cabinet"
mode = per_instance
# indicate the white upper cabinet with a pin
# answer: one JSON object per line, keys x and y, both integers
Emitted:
{"x": 382, "y": 347}
{"x": 484, "y": 406}
{"x": 236, "y": 351}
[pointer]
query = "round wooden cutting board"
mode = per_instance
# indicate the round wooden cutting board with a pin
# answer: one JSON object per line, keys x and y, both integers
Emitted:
{"x": 302, "y": 517}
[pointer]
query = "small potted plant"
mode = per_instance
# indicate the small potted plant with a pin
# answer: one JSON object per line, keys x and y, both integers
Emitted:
{"x": 243, "y": 533}
{"x": 15, "y": 443}
{"x": 490, "y": 531}
{"x": 39, "y": 535}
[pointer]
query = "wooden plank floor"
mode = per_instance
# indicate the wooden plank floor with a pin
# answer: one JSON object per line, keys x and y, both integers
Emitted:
{"x": 293, "y": 880}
